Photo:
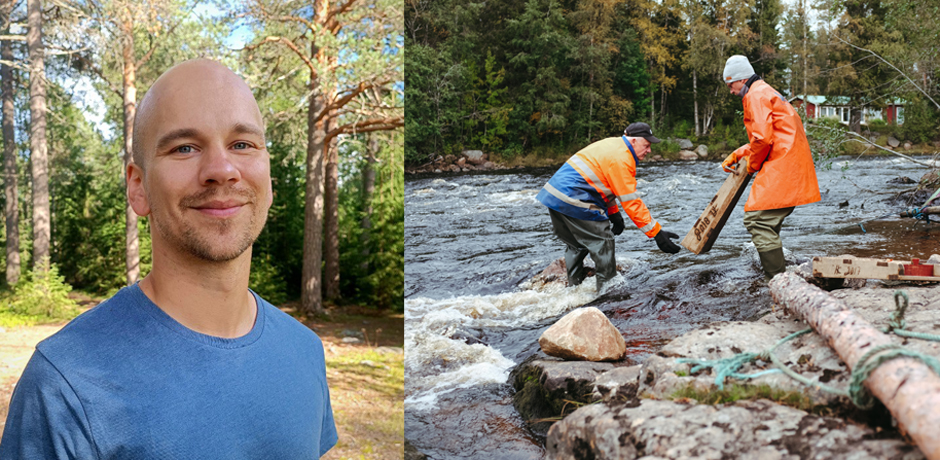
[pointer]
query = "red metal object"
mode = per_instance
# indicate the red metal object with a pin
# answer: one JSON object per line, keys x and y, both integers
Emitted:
{"x": 916, "y": 269}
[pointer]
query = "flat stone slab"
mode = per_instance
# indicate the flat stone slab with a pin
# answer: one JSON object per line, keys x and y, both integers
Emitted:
{"x": 750, "y": 430}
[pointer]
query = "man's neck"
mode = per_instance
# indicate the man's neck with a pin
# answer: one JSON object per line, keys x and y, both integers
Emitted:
{"x": 211, "y": 298}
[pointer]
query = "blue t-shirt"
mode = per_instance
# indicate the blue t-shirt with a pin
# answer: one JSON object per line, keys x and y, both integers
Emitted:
{"x": 126, "y": 381}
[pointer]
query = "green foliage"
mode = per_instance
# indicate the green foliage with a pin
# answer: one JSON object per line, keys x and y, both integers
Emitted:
{"x": 276, "y": 258}
{"x": 43, "y": 294}
{"x": 921, "y": 121}
{"x": 827, "y": 138}
{"x": 372, "y": 270}
{"x": 266, "y": 280}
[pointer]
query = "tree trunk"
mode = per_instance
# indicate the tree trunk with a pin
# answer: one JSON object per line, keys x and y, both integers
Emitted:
{"x": 803, "y": 17}
{"x": 695, "y": 100}
{"x": 132, "y": 242}
{"x": 368, "y": 189}
{"x": 855, "y": 120}
{"x": 37, "y": 136}
{"x": 906, "y": 386}
{"x": 652, "y": 108}
{"x": 311, "y": 295}
{"x": 11, "y": 207}
{"x": 331, "y": 214}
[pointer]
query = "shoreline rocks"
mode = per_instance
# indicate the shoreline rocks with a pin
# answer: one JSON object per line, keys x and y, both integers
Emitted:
{"x": 650, "y": 410}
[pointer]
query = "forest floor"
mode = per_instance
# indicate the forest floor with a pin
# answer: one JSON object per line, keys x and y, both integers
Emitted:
{"x": 366, "y": 377}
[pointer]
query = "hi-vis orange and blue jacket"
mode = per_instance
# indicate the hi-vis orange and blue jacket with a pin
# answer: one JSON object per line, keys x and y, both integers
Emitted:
{"x": 589, "y": 184}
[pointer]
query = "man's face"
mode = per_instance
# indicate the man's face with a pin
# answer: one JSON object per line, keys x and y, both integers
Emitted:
{"x": 207, "y": 180}
{"x": 735, "y": 87}
{"x": 642, "y": 147}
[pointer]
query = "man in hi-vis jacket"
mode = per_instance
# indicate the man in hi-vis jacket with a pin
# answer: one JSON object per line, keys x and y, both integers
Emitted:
{"x": 778, "y": 153}
{"x": 582, "y": 201}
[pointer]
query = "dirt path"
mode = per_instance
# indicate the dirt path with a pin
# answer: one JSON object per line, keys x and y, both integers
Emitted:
{"x": 16, "y": 347}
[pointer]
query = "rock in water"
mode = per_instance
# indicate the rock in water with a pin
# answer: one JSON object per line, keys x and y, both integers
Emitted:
{"x": 584, "y": 334}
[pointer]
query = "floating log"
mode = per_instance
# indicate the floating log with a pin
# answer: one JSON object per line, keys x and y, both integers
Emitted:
{"x": 706, "y": 229}
{"x": 906, "y": 386}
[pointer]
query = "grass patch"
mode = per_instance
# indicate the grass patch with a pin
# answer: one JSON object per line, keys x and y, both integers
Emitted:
{"x": 368, "y": 398}
{"x": 733, "y": 392}
{"x": 9, "y": 319}
{"x": 681, "y": 373}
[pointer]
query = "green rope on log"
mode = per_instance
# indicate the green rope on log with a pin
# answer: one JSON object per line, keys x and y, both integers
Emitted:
{"x": 896, "y": 323}
{"x": 857, "y": 393}
{"x": 862, "y": 397}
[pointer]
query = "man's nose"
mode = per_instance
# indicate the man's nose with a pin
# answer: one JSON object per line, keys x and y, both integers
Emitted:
{"x": 217, "y": 166}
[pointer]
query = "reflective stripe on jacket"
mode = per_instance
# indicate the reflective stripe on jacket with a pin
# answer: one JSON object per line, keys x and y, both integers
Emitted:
{"x": 591, "y": 182}
{"x": 778, "y": 150}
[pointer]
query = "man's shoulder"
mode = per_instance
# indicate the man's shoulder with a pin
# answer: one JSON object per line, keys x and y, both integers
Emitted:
{"x": 285, "y": 325}
{"x": 606, "y": 146}
{"x": 763, "y": 90}
{"x": 94, "y": 327}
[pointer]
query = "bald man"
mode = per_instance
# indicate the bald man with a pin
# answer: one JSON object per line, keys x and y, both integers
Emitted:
{"x": 188, "y": 363}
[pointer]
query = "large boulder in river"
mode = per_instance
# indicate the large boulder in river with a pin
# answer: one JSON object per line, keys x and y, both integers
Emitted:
{"x": 474, "y": 157}
{"x": 893, "y": 143}
{"x": 685, "y": 144}
{"x": 584, "y": 334}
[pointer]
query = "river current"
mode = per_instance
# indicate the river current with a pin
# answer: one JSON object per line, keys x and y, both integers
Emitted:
{"x": 472, "y": 242}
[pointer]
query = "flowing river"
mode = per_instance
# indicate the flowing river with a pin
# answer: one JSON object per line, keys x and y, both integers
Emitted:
{"x": 471, "y": 242}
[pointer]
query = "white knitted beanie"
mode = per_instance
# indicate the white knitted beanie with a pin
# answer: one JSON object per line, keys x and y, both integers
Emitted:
{"x": 737, "y": 68}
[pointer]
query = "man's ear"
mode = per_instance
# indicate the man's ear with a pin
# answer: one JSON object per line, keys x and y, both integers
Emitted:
{"x": 136, "y": 194}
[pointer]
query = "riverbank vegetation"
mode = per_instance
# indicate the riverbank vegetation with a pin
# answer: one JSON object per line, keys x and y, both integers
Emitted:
{"x": 532, "y": 82}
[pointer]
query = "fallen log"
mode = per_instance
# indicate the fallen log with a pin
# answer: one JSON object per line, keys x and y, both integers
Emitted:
{"x": 906, "y": 386}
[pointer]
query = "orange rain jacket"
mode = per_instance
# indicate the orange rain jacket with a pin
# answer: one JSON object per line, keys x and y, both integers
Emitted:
{"x": 594, "y": 179}
{"x": 778, "y": 149}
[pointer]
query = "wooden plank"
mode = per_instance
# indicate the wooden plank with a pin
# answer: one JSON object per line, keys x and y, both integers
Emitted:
{"x": 706, "y": 229}
{"x": 857, "y": 267}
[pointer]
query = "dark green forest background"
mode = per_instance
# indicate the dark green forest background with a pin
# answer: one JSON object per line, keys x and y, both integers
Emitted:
{"x": 547, "y": 77}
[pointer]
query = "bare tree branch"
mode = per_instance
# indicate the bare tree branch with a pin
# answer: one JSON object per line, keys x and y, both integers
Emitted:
{"x": 366, "y": 126}
{"x": 64, "y": 52}
{"x": 97, "y": 70}
{"x": 13, "y": 38}
{"x": 153, "y": 46}
{"x": 293, "y": 47}
{"x": 893, "y": 67}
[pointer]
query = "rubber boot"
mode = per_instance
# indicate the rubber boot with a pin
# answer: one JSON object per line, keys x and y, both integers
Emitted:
{"x": 773, "y": 262}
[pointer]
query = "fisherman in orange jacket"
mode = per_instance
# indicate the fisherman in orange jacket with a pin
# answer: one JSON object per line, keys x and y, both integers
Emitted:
{"x": 778, "y": 153}
{"x": 582, "y": 201}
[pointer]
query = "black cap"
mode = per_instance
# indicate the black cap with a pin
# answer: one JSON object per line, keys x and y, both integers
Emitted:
{"x": 641, "y": 130}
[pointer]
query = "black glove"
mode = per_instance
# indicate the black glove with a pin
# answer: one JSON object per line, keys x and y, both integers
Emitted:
{"x": 665, "y": 243}
{"x": 616, "y": 220}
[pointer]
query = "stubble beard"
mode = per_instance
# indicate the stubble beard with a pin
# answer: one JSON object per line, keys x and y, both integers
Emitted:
{"x": 187, "y": 237}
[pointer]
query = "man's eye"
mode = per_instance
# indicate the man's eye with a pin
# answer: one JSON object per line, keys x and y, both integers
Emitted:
{"x": 240, "y": 145}
{"x": 184, "y": 149}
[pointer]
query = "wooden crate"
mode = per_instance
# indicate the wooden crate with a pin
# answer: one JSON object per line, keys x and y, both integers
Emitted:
{"x": 857, "y": 267}
{"x": 706, "y": 229}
